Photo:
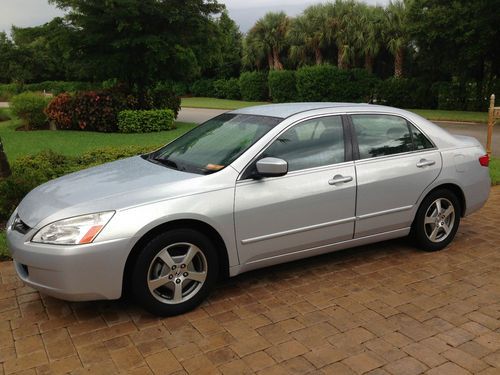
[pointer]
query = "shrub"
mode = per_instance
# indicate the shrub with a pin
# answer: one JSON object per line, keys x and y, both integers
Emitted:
{"x": 96, "y": 111}
{"x": 162, "y": 96}
{"x": 360, "y": 86}
{"x": 30, "y": 108}
{"x": 58, "y": 87}
{"x": 7, "y": 91}
{"x": 397, "y": 92}
{"x": 30, "y": 171}
{"x": 320, "y": 83}
{"x": 203, "y": 88}
{"x": 227, "y": 89}
{"x": 60, "y": 111}
{"x": 145, "y": 121}
{"x": 282, "y": 86}
{"x": 4, "y": 116}
{"x": 253, "y": 86}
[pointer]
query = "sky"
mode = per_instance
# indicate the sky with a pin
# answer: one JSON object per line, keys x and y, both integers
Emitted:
{"x": 26, "y": 13}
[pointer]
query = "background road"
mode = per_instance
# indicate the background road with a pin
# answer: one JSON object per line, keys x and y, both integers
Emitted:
{"x": 478, "y": 131}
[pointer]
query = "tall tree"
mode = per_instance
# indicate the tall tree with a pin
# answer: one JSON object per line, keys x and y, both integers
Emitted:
{"x": 142, "y": 41}
{"x": 396, "y": 33}
{"x": 370, "y": 38}
{"x": 344, "y": 20}
{"x": 230, "y": 44}
{"x": 456, "y": 38}
{"x": 268, "y": 37}
{"x": 309, "y": 34}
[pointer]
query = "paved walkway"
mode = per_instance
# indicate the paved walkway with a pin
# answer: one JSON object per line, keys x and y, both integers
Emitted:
{"x": 379, "y": 309}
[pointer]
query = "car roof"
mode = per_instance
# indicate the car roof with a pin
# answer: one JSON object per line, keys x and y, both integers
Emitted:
{"x": 285, "y": 110}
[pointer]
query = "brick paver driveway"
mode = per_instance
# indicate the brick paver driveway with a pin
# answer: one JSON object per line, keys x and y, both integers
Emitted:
{"x": 379, "y": 309}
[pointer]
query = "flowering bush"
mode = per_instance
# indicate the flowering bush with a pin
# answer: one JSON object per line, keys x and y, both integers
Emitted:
{"x": 60, "y": 111}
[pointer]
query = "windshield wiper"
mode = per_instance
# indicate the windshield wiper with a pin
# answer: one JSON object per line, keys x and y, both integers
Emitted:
{"x": 166, "y": 162}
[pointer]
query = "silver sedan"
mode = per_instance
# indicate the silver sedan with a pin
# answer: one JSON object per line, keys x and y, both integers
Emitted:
{"x": 246, "y": 190}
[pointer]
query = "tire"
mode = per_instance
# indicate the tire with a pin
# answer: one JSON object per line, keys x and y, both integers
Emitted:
{"x": 433, "y": 231}
{"x": 174, "y": 272}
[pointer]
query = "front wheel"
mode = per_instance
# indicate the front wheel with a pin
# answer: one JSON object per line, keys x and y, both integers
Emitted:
{"x": 175, "y": 272}
{"x": 437, "y": 220}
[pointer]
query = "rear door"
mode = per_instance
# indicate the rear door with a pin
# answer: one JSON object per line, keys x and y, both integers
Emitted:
{"x": 396, "y": 162}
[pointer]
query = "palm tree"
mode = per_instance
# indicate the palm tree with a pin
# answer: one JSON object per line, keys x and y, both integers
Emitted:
{"x": 370, "y": 40}
{"x": 254, "y": 52}
{"x": 395, "y": 33}
{"x": 344, "y": 21}
{"x": 268, "y": 37}
{"x": 309, "y": 34}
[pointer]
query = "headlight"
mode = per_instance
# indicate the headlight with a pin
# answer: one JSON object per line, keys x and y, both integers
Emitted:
{"x": 74, "y": 231}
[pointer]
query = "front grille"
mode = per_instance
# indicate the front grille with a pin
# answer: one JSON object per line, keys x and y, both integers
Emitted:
{"x": 19, "y": 226}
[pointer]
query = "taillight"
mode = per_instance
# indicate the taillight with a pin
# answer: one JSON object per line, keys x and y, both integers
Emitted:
{"x": 484, "y": 160}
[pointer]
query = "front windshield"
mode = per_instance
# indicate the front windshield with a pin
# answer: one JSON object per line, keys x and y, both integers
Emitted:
{"x": 215, "y": 144}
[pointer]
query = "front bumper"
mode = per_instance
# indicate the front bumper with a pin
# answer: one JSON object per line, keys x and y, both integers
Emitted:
{"x": 73, "y": 273}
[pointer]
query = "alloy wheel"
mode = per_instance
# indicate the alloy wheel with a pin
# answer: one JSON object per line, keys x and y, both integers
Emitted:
{"x": 177, "y": 273}
{"x": 439, "y": 220}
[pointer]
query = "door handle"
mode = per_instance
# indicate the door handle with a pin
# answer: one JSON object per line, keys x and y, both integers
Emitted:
{"x": 425, "y": 163}
{"x": 339, "y": 179}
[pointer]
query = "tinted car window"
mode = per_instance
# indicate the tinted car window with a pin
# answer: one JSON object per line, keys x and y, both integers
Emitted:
{"x": 215, "y": 144}
{"x": 420, "y": 142}
{"x": 313, "y": 143}
{"x": 380, "y": 135}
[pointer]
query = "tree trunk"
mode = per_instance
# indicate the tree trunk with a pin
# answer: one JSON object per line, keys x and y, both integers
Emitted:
{"x": 369, "y": 62}
{"x": 398, "y": 63}
{"x": 277, "y": 63}
{"x": 340, "y": 57}
{"x": 319, "y": 56}
{"x": 270, "y": 61}
{"x": 4, "y": 163}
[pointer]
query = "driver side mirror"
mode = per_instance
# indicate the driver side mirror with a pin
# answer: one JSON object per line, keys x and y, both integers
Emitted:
{"x": 271, "y": 167}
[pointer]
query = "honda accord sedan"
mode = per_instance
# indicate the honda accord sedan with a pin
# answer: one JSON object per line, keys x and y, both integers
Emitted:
{"x": 248, "y": 189}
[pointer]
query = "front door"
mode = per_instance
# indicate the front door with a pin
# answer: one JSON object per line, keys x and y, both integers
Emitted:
{"x": 312, "y": 206}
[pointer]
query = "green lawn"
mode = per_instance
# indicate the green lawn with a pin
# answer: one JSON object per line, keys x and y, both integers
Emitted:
{"x": 431, "y": 114}
{"x": 17, "y": 143}
{"x": 4, "y": 253}
{"x": 214, "y": 103}
{"x": 439, "y": 115}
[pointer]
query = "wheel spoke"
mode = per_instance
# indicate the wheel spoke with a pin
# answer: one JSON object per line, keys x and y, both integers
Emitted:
{"x": 438, "y": 206}
{"x": 177, "y": 292}
{"x": 156, "y": 283}
{"x": 448, "y": 211}
{"x": 430, "y": 220}
{"x": 166, "y": 258}
{"x": 446, "y": 228}
{"x": 192, "y": 251}
{"x": 197, "y": 276}
{"x": 434, "y": 233}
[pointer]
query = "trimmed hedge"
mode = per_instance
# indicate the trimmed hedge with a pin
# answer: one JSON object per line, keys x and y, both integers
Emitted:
{"x": 30, "y": 171}
{"x": 145, "y": 121}
{"x": 227, "y": 89}
{"x": 7, "y": 91}
{"x": 282, "y": 86}
{"x": 253, "y": 86}
{"x": 315, "y": 83}
{"x": 29, "y": 107}
{"x": 203, "y": 88}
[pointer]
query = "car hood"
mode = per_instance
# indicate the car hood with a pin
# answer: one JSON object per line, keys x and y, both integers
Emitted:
{"x": 111, "y": 186}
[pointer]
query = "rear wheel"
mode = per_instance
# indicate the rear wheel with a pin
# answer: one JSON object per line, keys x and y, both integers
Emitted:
{"x": 175, "y": 272}
{"x": 437, "y": 220}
